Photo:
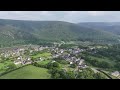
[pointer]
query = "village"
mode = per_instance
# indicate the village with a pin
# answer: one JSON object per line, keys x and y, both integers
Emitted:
{"x": 22, "y": 56}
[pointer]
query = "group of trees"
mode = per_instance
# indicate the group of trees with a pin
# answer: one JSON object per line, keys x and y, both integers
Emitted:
{"x": 59, "y": 73}
{"x": 50, "y": 65}
{"x": 73, "y": 65}
{"x": 85, "y": 74}
{"x": 111, "y": 53}
{"x": 97, "y": 63}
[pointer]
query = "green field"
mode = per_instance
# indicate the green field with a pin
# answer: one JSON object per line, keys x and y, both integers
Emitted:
{"x": 44, "y": 62}
{"x": 42, "y": 55}
{"x": 28, "y": 72}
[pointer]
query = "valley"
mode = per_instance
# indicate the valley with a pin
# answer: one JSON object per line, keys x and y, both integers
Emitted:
{"x": 59, "y": 50}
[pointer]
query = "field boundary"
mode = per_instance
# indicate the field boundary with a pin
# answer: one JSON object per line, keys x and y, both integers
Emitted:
{"x": 1, "y": 74}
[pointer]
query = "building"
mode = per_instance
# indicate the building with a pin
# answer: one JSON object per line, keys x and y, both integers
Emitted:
{"x": 17, "y": 62}
{"x": 116, "y": 73}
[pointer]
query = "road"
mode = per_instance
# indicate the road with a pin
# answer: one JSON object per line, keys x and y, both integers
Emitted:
{"x": 98, "y": 70}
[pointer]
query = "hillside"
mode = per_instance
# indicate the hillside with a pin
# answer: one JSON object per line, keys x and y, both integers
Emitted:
{"x": 13, "y": 32}
{"x": 113, "y": 27}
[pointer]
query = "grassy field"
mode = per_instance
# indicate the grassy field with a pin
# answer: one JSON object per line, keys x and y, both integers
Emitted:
{"x": 42, "y": 55}
{"x": 4, "y": 65}
{"x": 44, "y": 62}
{"x": 28, "y": 72}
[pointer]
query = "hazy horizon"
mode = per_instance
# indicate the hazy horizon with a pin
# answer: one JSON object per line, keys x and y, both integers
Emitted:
{"x": 67, "y": 16}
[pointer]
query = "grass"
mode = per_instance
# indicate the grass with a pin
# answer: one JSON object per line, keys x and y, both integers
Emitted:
{"x": 44, "y": 62}
{"x": 4, "y": 65}
{"x": 42, "y": 55}
{"x": 28, "y": 72}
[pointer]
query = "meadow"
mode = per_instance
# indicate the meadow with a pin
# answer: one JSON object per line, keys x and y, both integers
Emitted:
{"x": 28, "y": 72}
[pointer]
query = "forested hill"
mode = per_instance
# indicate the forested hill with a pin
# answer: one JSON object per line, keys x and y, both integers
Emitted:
{"x": 113, "y": 27}
{"x": 14, "y": 32}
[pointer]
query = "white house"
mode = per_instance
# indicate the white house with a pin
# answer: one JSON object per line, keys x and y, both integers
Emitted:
{"x": 71, "y": 62}
{"x": 53, "y": 61}
{"x": 116, "y": 73}
{"x": 17, "y": 62}
{"x": 81, "y": 61}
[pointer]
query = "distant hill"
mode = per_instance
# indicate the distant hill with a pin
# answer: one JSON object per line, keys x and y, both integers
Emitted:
{"x": 113, "y": 27}
{"x": 14, "y": 32}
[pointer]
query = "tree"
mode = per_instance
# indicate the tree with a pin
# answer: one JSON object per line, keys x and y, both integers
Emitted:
{"x": 117, "y": 65}
{"x": 70, "y": 75}
{"x": 56, "y": 75}
{"x": 73, "y": 65}
{"x": 52, "y": 65}
{"x": 56, "y": 64}
{"x": 99, "y": 76}
{"x": 32, "y": 59}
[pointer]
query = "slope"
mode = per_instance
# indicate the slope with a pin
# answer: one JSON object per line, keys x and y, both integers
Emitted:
{"x": 14, "y": 32}
{"x": 113, "y": 27}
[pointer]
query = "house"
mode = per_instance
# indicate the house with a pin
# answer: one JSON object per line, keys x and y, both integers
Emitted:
{"x": 17, "y": 62}
{"x": 28, "y": 62}
{"x": 28, "y": 59}
{"x": 61, "y": 51}
{"x": 41, "y": 59}
{"x": 55, "y": 56}
{"x": 31, "y": 51}
{"x": 82, "y": 66}
{"x": 71, "y": 62}
{"x": 53, "y": 61}
{"x": 116, "y": 73}
{"x": 22, "y": 49}
{"x": 81, "y": 61}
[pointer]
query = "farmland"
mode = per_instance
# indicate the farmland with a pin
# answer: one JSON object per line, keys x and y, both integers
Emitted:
{"x": 28, "y": 72}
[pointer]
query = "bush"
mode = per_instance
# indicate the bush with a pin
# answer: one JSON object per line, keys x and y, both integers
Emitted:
{"x": 55, "y": 64}
{"x": 99, "y": 76}
{"x": 73, "y": 65}
{"x": 62, "y": 62}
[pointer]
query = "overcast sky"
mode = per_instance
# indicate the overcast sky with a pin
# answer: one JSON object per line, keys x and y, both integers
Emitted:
{"x": 69, "y": 16}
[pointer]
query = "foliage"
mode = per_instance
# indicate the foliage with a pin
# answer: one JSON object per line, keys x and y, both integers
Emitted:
{"x": 97, "y": 63}
{"x": 53, "y": 65}
{"x": 73, "y": 65}
{"x": 15, "y": 32}
{"x": 87, "y": 73}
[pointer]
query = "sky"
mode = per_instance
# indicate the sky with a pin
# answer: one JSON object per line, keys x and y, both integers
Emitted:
{"x": 69, "y": 16}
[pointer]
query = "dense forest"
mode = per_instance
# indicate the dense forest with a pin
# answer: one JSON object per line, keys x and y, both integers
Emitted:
{"x": 14, "y": 32}
{"x": 107, "y": 58}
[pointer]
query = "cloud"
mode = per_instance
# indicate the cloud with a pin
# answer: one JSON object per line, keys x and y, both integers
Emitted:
{"x": 96, "y": 13}
{"x": 46, "y": 13}
{"x": 69, "y": 16}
